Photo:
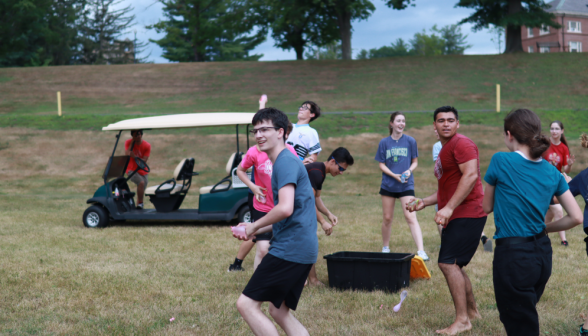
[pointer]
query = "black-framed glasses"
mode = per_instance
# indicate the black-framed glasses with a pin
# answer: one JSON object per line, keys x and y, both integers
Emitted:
{"x": 341, "y": 169}
{"x": 262, "y": 130}
{"x": 304, "y": 107}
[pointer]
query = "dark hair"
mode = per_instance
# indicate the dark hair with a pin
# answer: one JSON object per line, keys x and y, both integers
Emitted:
{"x": 139, "y": 130}
{"x": 341, "y": 155}
{"x": 393, "y": 117}
{"x": 563, "y": 137}
{"x": 443, "y": 109}
{"x": 525, "y": 126}
{"x": 277, "y": 117}
{"x": 314, "y": 108}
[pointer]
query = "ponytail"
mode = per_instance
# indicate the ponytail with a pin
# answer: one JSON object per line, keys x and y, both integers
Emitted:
{"x": 525, "y": 126}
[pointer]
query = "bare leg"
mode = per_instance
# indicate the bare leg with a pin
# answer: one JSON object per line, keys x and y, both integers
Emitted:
{"x": 258, "y": 322}
{"x": 556, "y": 214}
{"x": 473, "y": 312}
{"x": 262, "y": 249}
{"x": 413, "y": 224}
{"x": 388, "y": 210}
{"x": 457, "y": 287}
{"x": 140, "y": 192}
{"x": 585, "y": 326}
{"x": 244, "y": 249}
{"x": 286, "y": 320}
{"x": 313, "y": 278}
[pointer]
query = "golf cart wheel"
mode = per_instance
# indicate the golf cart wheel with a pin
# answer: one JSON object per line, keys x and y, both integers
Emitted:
{"x": 244, "y": 215}
{"x": 95, "y": 217}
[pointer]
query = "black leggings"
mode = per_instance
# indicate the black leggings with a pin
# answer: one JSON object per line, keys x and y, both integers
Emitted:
{"x": 520, "y": 273}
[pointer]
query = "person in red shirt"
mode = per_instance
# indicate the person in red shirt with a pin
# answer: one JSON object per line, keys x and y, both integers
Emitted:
{"x": 559, "y": 156}
{"x": 142, "y": 150}
{"x": 460, "y": 197}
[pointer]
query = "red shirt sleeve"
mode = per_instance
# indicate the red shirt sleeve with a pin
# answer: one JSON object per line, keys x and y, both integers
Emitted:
{"x": 465, "y": 150}
{"x": 147, "y": 149}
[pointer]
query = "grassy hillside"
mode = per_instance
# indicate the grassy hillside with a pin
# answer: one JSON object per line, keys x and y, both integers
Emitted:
{"x": 544, "y": 81}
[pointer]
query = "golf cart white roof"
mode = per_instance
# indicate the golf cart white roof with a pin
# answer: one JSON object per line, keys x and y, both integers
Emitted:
{"x": 183, "y": 121}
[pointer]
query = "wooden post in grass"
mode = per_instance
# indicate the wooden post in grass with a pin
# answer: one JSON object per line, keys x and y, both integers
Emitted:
{"x": 59, "y": 103}
{"x": 497, "y": 97}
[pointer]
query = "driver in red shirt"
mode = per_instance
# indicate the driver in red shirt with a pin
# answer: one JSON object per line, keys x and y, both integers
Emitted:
{"x": 141, "y": 150}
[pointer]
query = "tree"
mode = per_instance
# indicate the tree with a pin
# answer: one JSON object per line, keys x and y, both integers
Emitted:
{"x": 346, "y": 11}
{"x": 400, "y": 48}
{"x": 297, "y": 24}
{"x": 211, "y": 30}
{"x": 454, "y": 41}
{"x": 511, "y": 14}
{"x": 41, "y": 32}
{"x": 445, "y": 41}
{"x": 101, "y": 26}
{"x": 497, "y": 34}
{"x": 331, "y": 51}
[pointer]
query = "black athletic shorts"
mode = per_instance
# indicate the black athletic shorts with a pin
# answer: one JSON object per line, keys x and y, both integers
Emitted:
{"x": 460, "y": 240}
{"x": 255, "y": 216}
{"x": 277, "y": 280}
{"x": 385, "y": 192}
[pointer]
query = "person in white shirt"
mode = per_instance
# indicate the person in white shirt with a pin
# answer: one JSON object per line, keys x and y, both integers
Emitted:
{"x": 303, "y": 138}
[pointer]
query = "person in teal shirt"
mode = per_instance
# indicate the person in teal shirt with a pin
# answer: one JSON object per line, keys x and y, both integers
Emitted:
{"x": 520, "y": 187}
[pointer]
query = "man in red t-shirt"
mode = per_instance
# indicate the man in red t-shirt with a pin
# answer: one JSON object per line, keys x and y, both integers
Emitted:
{"x": 459, "y": 196}
{"x": 142, "y": 150}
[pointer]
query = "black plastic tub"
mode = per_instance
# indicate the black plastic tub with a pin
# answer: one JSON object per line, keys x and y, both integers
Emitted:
{"x": 369, "y": 270}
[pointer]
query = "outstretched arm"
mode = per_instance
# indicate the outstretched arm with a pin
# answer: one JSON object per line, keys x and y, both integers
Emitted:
{"x": 281, "y": 211}
{"x": 573, "y": 218}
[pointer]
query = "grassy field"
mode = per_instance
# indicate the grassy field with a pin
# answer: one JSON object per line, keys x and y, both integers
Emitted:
{"x": 557, "y": 81}
{"x": 59, "y": 278}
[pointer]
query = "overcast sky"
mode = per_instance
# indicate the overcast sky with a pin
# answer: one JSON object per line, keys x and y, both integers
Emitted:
{"x": 382, "y": 28}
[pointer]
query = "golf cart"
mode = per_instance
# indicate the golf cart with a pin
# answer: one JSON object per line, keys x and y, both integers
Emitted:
{"x": 222, "y": 201}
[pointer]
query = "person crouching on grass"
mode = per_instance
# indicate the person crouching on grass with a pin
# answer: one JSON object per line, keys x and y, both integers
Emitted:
{"x": 520, "y": 187}
{"x": 338, "y": 162}
{"x": 398, "y": 156}
{"x": 279, "y": 278}
{"x": 460, "y": 196}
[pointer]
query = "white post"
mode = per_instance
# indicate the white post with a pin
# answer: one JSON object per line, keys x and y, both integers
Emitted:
{"x": 497, "y": 97}
{"x": 59, "y": 103}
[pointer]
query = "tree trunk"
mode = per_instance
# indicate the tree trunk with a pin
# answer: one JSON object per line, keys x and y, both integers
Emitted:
{"x": 344, "y": 21}
{"x": 514, "y": 42}
{"x": 299, "y": 52}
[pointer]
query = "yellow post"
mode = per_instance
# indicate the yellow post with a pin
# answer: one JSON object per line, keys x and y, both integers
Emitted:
{"x": 497, "y": 97}
{"x": 59, "y": 103}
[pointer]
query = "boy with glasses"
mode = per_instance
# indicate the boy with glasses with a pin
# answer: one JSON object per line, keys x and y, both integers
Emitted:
{"x": 303, "y": 138}
{"x": 279, "y": 278}
{"x": 338, "y": 162}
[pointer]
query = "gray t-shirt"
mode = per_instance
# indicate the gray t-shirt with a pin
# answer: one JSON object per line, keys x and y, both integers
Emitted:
{"x": 295, "y": 238}
{"x": 397, "y": 155}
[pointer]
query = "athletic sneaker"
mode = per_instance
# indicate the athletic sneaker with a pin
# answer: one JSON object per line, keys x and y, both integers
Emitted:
{"x": 484, "y": 239}
{"x": 583, "y": 331}
{"x": 385, "y": 249}
{"x": 565, "y": 243}
{"x": 423, "y": 255}
{"x": 233, "y": 268}
{"x": 140, "y": 206}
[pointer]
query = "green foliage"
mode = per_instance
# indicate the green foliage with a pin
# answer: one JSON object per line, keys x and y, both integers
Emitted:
{"x": 496, "y": 13}
{"x": 41, "y": 32}
{"x": 296, "y": 24}
{"x": 331, "y": 51}
{"x": 511, "y": 14}
{"x": 211, "y": 30}
{"x": 346, "y": 11}
{"x": 102, "y": 24}
{"x": 400, "y": 4}
{"x": 448, "y": 40}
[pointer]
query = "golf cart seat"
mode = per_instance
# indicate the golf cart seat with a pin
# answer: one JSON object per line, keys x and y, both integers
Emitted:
{"x": 227, "y": 182}
{"x": 170, "y": 194}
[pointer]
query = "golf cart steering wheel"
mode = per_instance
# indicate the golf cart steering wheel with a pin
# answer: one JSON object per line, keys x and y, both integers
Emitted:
{"x": 142, "y": 164}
